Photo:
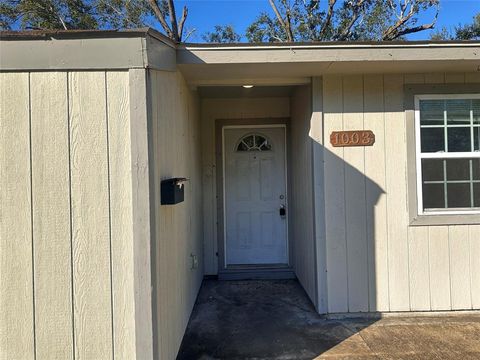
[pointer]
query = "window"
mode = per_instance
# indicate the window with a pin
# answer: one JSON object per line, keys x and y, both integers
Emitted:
{"x": 448, "y": 153}
{"x": 254, "y": 142}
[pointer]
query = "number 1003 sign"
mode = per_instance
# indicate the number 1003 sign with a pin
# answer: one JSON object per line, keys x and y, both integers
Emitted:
{"x": 352, "y": 138}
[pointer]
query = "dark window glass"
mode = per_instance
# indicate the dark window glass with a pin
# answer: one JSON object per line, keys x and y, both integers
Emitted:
{"x": 476, "y": 169}
{"x": 458, "y": 195}
{"x": 432, "y": 170}
{"x": 459, "y": 139}
{"x": 476, "y": 138}
{"x": 458, "y": 112}
{"x": 476, "y": 194}
{"x": 476, "y": 111}
{"x": 431, "y": 112}
{"x": 458, "y": 169}
{"x": 433, "y": 196}
{"x": 432, "y": 140}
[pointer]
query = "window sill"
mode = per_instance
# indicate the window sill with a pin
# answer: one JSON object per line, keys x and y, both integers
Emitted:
{"x": 433, "y": 220}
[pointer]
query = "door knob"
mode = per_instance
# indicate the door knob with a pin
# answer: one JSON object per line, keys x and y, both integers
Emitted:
{"x": 283, "y": 211}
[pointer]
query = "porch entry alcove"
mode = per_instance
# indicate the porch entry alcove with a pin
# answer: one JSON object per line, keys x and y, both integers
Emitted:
{"x": 263, "y": 224}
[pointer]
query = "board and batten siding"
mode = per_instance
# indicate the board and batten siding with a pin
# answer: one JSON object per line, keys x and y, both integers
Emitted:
{"x": 375, "y": 260}
{"x": 300, "y": 200}
{"x": 179, "y": 230}
{"x": 66, "y": 234}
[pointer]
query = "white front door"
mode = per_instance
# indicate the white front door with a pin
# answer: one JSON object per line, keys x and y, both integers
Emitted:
{"x": 255, "y": 196}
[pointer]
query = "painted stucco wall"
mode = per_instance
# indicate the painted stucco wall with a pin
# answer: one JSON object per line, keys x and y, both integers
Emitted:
{"x": 375, "y": 260}
{"x": 66, "y": 219}
{"x": 175, "y": 131}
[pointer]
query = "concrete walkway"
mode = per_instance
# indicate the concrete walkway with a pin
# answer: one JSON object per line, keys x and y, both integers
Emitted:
{"x": 276, "y": 320}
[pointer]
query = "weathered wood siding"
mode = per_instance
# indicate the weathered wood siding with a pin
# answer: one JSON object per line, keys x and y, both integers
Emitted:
{"x": 179, "y": 232}
{"x": 211, "y": 110}
{"x": 375, "y": 260}
{"x": 301, "y": 201}
{"x": 66, "y": 241}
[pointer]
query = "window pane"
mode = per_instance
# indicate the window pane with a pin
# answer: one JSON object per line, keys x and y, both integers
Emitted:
{"x": 432, "y": 170}
{"x": 476, "y": 169}
{"x": 459, "y": 139}
{"x": 476, "y": 194}
{"x": 431, "y": 112}
{"x": 458, "y": 169}
{"x": 476, "y": 111}
{"x": 458, "y": 112}
{"x": 432, "y": 139}
{"x": 476, "y": 138}
{"x": 458, "y": 195}
{"x": 433, "y": 196}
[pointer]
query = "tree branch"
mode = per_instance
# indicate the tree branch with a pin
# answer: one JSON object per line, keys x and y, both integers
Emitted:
{"x": 356, "y": 9}
{"x": 173, "y": 20}
{"x": 158, "y": 13}
{"x": 182, "y": 23}
{"x": 286, "y": 26}
{"x": 395, "y": 31}
{"x": 328, "y": 19}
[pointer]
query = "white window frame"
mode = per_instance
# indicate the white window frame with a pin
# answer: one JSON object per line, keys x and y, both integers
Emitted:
{"x": 444, "y": 155}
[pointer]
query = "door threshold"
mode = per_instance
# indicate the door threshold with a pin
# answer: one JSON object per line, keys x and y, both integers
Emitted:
{"x": 256, "y": 273}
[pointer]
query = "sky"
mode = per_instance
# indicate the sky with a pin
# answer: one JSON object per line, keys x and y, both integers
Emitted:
{"x": 203, "y": 15}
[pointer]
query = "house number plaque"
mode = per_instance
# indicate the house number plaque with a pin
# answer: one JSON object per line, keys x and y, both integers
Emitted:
{"x": 352, "y": 138}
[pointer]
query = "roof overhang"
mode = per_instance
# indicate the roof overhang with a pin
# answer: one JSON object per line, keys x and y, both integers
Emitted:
{"x": 231, "y": 64}
{"x": 292, "y": 63}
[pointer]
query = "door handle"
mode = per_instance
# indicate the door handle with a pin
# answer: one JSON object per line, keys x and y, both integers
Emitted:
{"x": 283, "y": 211}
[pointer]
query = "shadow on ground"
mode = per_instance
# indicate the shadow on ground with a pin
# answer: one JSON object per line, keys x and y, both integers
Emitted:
{"x": 258, "y": 320}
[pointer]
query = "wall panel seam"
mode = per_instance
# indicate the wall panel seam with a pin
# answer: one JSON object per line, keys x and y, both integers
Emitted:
{"x": 31, "y": 211}
{"x": 449, "y": 266}
{"x": 70, "y": 215}
{"x": 345, "y": 196}
{"x": 386, "y": 197}
{"x": 405, "y": 175}
{"x": 470, "y": 265}
{"x": 109, "y": 214}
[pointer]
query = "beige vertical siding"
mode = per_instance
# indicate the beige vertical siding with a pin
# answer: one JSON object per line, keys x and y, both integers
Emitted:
{"x": 301, "y": 195}
{"x": 211, "y": 110}
{"x": 66, "y": 229}
{"x": 16, "y": 246}
{"x": 375, "y": 260}
{"x": 178, "y": 235}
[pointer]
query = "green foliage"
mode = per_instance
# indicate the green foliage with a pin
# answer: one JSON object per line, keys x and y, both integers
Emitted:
{"x": 460, "y": 32}
{"x": 315, "y": 20}
{"x": 47, "y": 14}
{"x": 470, "y": 31}
{"x": 122, "y": 14}
{"x": 222, "y": 34}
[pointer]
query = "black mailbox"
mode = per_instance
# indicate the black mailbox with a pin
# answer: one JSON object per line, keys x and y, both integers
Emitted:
{"x": 172, "y": 191}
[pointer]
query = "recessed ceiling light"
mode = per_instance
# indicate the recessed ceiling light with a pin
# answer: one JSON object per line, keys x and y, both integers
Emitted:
{"x": 247, "y": 86}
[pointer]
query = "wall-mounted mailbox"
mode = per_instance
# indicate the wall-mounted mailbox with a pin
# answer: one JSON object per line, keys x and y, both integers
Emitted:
{"x": 172, "y": 191}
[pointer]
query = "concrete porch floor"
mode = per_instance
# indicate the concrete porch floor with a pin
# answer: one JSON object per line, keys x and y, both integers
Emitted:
{"x": 275, "y": 320}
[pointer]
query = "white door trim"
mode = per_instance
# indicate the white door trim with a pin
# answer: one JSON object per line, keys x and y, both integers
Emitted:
{"x": 224, "y": 127}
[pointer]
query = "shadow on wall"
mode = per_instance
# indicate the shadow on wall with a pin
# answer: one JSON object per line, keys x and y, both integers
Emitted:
{"x": 275, "y": 319}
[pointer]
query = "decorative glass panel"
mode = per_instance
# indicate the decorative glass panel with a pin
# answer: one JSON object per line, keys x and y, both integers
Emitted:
{"x": 254, "y": 142}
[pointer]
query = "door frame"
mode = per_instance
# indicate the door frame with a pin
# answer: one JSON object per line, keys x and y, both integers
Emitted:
{"x": 220, "y": 126}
